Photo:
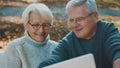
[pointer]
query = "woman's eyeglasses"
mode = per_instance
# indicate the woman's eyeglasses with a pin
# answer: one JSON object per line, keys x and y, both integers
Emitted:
{"x": 37, "y": 26}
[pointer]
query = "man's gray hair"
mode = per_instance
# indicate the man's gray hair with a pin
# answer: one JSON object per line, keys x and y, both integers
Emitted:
{"x": 41, "y": 8}
{"x": 90, "y": 4}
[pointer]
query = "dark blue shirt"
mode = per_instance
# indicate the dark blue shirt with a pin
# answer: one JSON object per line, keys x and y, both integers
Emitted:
{"x": 104, "y": 45}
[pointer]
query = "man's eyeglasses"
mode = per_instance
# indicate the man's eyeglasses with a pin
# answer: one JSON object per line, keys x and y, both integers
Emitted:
{"x": 79, "y": 19}
{"x": 37, "y": 26}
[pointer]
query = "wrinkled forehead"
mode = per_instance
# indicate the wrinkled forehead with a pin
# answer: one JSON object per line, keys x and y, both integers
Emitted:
{"x": 78, "y": 11}
{"x": 34, "y": 13}
{"x": 78, "y": 7}
{"x": 35, "y": 16}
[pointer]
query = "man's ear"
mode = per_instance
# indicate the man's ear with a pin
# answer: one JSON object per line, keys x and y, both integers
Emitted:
{"x": 96, "y": 15}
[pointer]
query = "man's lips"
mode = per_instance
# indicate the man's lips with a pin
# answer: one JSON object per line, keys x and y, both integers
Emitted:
{"x": 78, "y": 29}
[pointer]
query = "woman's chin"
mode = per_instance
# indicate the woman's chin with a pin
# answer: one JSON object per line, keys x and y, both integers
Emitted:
{"x": 40, "y": 40}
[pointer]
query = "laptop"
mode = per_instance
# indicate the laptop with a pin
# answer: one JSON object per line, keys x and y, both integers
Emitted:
{"x": 85, "y": 61}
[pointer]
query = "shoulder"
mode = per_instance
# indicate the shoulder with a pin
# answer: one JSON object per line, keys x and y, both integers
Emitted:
{"x": 53, "y": 42}
{"x": 14, "y": 43}
{"x": 106, "y": 24}
{"x": 11, "y": 48}
{"x": 68, "y": 38}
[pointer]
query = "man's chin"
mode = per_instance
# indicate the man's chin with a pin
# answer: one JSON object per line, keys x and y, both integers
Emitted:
{"x": 79, "y": 36}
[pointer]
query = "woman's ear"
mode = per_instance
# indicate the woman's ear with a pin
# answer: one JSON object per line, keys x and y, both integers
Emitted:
{"x": 25, "y": 25}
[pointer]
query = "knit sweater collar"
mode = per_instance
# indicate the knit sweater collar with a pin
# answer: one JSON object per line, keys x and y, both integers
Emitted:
{"x": 31, "y": 41}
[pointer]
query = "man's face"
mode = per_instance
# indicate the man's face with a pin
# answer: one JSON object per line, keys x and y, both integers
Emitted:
{"x": 82, "y": 22}
{"x": 34, "y": 28}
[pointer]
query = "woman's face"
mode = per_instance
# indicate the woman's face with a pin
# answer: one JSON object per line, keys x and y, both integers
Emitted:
{"x": 37, "y": 27}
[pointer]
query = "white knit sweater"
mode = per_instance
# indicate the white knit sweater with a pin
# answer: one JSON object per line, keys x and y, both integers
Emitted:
{"x": 26, "y": 53}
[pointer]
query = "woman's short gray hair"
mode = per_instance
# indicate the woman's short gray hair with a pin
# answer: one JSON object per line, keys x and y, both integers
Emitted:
{"x": 41, "y": 8}
{"x": 90, "y": 4}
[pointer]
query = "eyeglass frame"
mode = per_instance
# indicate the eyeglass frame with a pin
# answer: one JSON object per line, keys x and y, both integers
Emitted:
{"x": 40, "y": 25}
{"x": 79, "y": 19}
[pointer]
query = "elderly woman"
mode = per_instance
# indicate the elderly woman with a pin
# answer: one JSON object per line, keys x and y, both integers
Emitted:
{"x": 35, "y": 46}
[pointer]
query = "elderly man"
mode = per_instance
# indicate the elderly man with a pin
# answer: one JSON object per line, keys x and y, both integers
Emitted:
{"x": 88, "y": 35}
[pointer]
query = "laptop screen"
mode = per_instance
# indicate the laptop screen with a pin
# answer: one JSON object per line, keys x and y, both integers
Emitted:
{"x": 85, "y": 61}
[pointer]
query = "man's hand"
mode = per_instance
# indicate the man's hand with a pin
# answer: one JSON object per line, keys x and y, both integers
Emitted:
{"x": 116, "y": 63}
